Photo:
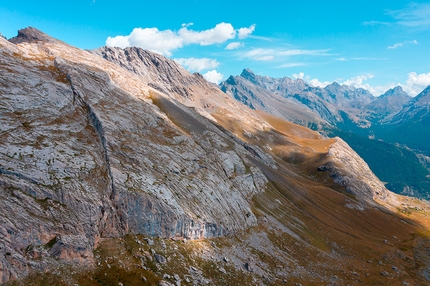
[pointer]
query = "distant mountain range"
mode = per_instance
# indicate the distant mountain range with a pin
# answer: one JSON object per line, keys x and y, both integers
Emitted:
{"x": 390, "y": 131}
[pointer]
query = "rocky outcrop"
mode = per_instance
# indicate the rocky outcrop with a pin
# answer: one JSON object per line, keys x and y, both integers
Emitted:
{"x": 31, "y": 34}
{"x": 349, "y": 170}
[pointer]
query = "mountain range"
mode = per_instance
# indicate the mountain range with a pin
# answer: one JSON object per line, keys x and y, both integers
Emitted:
{"x": 388, "y": 131}
{"x": 119, "y": 167}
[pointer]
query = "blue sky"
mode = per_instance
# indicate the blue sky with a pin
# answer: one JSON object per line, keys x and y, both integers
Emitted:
{"x": 370, "y": 44}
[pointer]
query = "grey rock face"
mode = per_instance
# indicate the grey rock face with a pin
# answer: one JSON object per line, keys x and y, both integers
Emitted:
{"x": 80, "y": 161}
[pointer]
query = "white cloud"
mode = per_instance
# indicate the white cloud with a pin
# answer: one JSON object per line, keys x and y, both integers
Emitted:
{"x": 316, "y": 82}
{"x": 162, "y": 42}
{"x": 213, "y": 76}
{"x": 358, "y": 80}
{"x": 416, "y": 83}
{"x": 221, "y": 33}
{"x": 300, "y": 75}
{"x": 313, "y": 82}
{"x": 193, "y": 64}
{"x": 166, "y": 41}
{"x": 398, "y": 45}
{"x": 245, "y": 32}
{"x": 234, "y": 45}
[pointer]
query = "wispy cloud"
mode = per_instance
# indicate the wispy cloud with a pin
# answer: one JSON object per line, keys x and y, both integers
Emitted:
{"x": 265, "y": 54}
{"x": 376, "y": 23}
{"x": 166, "y": 41}
{"x": 368, "y": 59}
{"x": 291, "y": 65}
{"x": 414, "y": 15}
{"x": 193, "y": 64}
{"x": 264, "y": 58}
{"x": 267, "y": 39}
{"x": 398, "y": 45}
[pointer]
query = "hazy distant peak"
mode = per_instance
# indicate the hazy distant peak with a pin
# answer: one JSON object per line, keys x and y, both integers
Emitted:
{"x": 395, "y": 91}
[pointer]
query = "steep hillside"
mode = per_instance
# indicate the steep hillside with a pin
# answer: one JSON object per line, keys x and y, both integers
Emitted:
{"x": 147, "y": 175}
{"x": 410, "y": 125}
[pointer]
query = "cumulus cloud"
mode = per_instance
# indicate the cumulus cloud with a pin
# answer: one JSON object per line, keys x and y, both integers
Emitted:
{"x": 316, "y": 82}
{"x": 234, "y": 45}
{"x": 221, "y": 33}
{"x": 213, "y": 76}
{"x": 416, "y": 83}
{"x": 193, "y": 64}
{"x": 162, "y": 42}
{"x": 300, "y": 75}
{"x": 357, "y": 81}
{"x": 166, "y": 41}
{"x": 398, "y": 45}
{"x": 245, "y": 32}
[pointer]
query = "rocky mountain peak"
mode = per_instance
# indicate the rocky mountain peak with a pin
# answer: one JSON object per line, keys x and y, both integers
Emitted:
{"x": 395, "y": 91}
{"x": 31, "y": 34}
{"x": 333, "y": 85}
{"x": 248, "y": 74}
{"x": 423, "y": 97}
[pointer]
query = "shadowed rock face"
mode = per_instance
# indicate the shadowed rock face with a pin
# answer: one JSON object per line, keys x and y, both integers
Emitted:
{"x": 94, "y": 150}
